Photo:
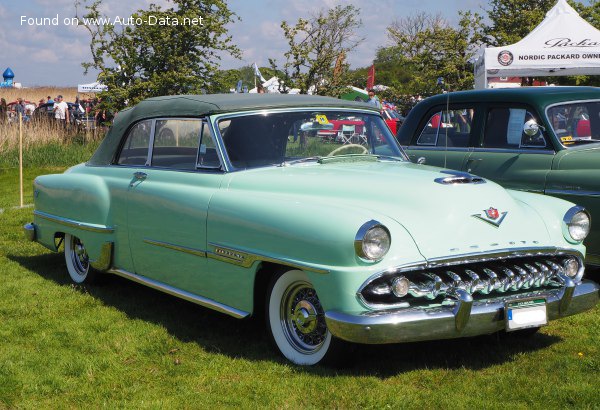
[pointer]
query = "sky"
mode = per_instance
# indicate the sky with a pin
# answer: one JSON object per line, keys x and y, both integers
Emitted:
{"x": 43, "y": 54}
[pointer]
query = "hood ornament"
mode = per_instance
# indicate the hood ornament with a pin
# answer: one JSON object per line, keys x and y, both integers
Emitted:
{"x": 491, "y": 216}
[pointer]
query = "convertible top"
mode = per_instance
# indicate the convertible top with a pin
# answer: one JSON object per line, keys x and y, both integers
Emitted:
{"x": 202, "y": 105}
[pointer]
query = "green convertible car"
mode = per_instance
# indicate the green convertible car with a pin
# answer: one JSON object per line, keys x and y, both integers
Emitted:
{"x": 236, "y": 203}
{"x": 536, "y": 139}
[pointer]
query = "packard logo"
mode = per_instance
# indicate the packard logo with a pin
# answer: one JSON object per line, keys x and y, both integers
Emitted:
{"x": 505, "y": 58}
{"x": 491, "y": 216}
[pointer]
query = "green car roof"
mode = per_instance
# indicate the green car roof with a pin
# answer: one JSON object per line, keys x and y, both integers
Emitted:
{"x": 202, "y": 105}
{"x": 540, "y": 96}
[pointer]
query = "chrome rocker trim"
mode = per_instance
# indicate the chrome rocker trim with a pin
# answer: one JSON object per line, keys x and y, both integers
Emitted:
{"x": 465, "y": 318}
{"x": 74, "y": 224}
{"x": 182, "y": 294}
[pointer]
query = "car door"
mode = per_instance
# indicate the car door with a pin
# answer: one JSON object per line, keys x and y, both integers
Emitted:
{"x": 506, "y": 154}
{"x": 168, "y": 201}
{"x": 445, "y": 137}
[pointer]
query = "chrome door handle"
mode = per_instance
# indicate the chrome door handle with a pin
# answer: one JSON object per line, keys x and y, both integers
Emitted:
{"x": 138, "y": 177}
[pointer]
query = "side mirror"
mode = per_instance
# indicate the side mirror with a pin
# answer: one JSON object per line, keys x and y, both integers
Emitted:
{"x": 421, "y": 160}
{"x": 531, "y": 128}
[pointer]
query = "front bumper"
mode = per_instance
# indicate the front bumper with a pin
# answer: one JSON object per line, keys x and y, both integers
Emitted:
{"x": 465, "y": 318}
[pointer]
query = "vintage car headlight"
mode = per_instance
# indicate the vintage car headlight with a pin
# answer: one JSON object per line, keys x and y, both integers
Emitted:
{"x": 372, "y": 241}
{"x": 577, "y": 221}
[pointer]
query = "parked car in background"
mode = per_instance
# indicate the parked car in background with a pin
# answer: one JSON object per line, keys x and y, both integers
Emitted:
{"x": 210, "y": 198}
{"x": 393, "y": 119}
{"x": 536, "y": 139}
{"x": 45, "y": 113}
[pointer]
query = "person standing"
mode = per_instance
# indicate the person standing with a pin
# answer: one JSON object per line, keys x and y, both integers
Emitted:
{"x": 61, "y": 111}
{"x": 3, "y": 111}
{"x": 373, "y": 100}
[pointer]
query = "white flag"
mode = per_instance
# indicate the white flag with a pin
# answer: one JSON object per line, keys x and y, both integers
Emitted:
{"x": 258, "y": 74}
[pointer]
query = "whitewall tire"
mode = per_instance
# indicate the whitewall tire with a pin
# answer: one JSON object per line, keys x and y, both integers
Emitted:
{"x": 77, "y": 260}
{"x": 296, "y": 319}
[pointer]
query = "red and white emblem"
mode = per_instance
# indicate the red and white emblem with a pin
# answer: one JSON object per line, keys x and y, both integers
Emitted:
{"x": 492, "y": 213}
{"x": 491, "y": 216}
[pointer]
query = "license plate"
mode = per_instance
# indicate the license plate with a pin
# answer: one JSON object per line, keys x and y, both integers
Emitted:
{"x": 522, "y": 314}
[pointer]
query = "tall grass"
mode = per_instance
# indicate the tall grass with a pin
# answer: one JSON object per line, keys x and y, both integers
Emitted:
{"x": 35, "y": 94}
{"x": 43, "y": 134}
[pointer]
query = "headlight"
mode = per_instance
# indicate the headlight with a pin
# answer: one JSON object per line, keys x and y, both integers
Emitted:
{"x": 577, "y": 221}
{"x": 372, "y": 241}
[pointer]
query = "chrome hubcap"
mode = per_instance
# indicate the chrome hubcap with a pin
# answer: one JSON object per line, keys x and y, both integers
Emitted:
{"x": 302, "y": 318}
{"x": 79, "y": 256}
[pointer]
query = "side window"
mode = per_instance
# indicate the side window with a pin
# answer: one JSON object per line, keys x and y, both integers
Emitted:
{"x": 450, "y": 128}
{"x": 135, "y": 149}
{"x": 207, "y": 154}
{"x": 176, "y": 143}
{"x": 505, "y": 126}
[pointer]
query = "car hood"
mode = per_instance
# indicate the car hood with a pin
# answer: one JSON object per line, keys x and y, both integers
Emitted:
{"x": 443, "y": 219}
{"x": 583, "y": 157}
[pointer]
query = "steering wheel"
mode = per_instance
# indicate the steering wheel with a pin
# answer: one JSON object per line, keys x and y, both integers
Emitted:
{"x": 343, "y": 147}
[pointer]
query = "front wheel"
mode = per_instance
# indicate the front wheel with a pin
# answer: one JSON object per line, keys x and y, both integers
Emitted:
{"x": 296, "y": 319}
{"x": 78, "y": 261}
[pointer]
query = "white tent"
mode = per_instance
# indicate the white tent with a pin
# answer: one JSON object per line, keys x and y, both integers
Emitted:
{"x": 91, "y": 88}
{"x": 272, "y": 86}
{"x": 562, "y": 44}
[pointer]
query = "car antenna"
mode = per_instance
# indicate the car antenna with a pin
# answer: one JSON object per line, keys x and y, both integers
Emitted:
{"x": 442, "y": 85}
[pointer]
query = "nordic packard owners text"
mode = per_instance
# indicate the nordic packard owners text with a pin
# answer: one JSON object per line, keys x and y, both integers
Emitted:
{"x": 112, "y": 21}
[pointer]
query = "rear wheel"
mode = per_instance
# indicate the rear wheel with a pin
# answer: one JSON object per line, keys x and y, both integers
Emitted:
{"x": 78, "y": 261}
{"x": 296, "y": 319}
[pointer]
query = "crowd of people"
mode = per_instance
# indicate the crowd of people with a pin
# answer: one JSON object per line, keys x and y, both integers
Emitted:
{"x": 56, "y": 110}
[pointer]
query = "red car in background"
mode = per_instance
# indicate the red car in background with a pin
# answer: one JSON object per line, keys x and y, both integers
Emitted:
{"x": 393, "y": 119}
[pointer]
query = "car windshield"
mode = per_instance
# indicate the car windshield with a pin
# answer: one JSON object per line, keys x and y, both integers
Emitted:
{"x": 576, "y": 123}
{"x": 296, "y": 137}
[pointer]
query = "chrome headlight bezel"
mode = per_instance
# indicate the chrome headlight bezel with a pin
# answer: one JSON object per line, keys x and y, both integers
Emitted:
{"x": 569, "y": 226}
{"x": 362, "y": 242}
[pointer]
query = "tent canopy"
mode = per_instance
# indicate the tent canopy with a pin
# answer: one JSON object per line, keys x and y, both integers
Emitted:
{"x": 91, "y": 88}
{"x": 562, "y": 44}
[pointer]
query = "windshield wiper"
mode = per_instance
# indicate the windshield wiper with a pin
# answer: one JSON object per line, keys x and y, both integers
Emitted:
{"x": 300, "y": 160}
{"x": 389, "y": 157}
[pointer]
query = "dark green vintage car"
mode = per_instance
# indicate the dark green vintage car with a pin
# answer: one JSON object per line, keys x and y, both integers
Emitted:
{"x": 536, "y": 139}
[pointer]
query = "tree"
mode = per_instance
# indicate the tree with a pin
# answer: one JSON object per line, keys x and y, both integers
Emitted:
{"x": 318, "y": 47}
{"x": 162, "y": 53}
{"x": 427, "y": 47}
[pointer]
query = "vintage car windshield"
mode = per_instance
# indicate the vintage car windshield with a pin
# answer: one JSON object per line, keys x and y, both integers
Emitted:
{"x": 576, "y": 123}
{"x": 294, "y": 137}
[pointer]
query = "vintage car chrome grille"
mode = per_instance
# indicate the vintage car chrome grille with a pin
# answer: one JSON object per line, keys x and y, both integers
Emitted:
{"x": 481, "y": 279}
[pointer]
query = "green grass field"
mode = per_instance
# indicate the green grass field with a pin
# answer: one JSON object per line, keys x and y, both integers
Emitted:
{"x": 121, "y": 345}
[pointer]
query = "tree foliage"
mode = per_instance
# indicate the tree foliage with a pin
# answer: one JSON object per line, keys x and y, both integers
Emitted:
{"x": 427, "y": 47}
{"x": 140, "y": 61}
{"x": 318, "y": 48}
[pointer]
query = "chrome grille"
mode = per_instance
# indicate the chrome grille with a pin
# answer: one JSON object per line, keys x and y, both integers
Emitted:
{"x": 484, "y": 279}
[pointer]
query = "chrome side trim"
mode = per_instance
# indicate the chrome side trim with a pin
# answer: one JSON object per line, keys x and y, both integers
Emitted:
{"x": 451, "y": 321}
{"x": 75, "y": 224}
{"x": 184, "y": 249}
{"x": 514, "y": 151}
{"x": 247, "y": 259}
{"x": 104, "y": 261}
{"x": 571, "y": 192}
{"x": 182, "y": 294}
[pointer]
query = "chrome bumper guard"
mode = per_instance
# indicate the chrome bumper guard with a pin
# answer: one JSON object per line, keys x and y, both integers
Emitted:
{"x": 465, "y": 318}
{"x": 29, "y": 232}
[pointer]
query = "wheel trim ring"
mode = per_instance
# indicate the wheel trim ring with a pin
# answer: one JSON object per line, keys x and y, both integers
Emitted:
{"x": 287, "y": 318}
{"x": 79, "y": 259}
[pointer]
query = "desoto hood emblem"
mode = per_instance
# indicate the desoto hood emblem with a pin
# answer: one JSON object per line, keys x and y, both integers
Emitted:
{"x": 491, "y": 216}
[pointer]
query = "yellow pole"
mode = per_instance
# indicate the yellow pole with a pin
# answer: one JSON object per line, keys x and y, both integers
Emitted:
{"x": 21, "y": 157}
